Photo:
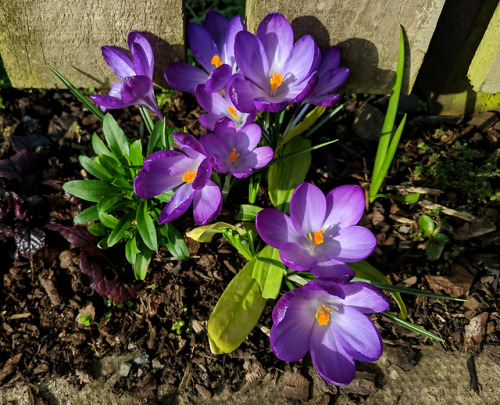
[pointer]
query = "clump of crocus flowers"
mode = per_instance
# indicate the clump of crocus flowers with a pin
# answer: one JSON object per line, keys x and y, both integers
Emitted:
{"x": 241, "y": 74}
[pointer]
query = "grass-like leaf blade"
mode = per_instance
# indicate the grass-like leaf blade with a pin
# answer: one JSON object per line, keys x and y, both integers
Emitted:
{"x": 410, "y": 326}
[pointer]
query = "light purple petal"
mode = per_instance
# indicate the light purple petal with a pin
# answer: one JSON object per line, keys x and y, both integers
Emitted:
{"x": 251, "y": 59}
{"x": 190, "y": 145}
{"x": 302, "y": 59}
{"x": 248, "y": 137}
{"x": 263, "y": 156}
{"x": 276, "y": 35}
{"x": 202, "y": 174}
{"x": 208, "y": 120}
{"x": 357, "y": 334}
{"x": 290, "y": 337}
{"x": 329, "y": 357}
{"x": 167, "y": 162}
{"x": 345, "y": 206}
{"x": 333, "y": 269}
{"x": 183, "y": 77}
{"x": 178, "y": 205}
{"x": 150, "y": 184}
{"x": 297, "y": 257}
{"x": 243, "y": 93}
{"x": 207, "y": 203}
{"x": 275, "y": 228}
{"x": 138, "y": 41}
{"x": 219, "y": 78}
{"x": 211, "y": 102}
{"x": 219, "y": 163}
{"x": 355, "y": 243}
{"x": 307, "y": 209}
{"x": 216, "y": 25}
{"x": 271, "y": 104}
{"x": 108, "y": 102}
{"x": 119, "y": 63}
{"x": 364, "y": 298}
{"x": 202, "y": 45}
{"x": 235, "y": 25}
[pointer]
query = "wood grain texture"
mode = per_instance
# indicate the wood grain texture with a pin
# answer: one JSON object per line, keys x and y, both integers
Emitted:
{"x": 68, "y": 35}
{"x": 366, "y": 31}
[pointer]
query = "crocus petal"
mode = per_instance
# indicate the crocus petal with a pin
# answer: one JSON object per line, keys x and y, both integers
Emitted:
{"x": 190, "y": 145}
{"x": 167, "y": 162}
{"x": 178, "y": 205}
{"x": 202, "y": 174}
{"x": 251, "y": 59}
{"x": 271, "y": 104}
{"x": 332, "y": 80}
{"x": 135, "y": 88}
{"x": 345, "y": 206}
{"x": 307, "y": 209}
{"x": 202, "y": 45}
{"x": 216, "y": 25}
{"x": 207, "y": 203}
{"x": 275, "y": 228}
{"x": 355, "y": 243}
{"x": 241, "y": 171}
{"x": 119, "y": 63}
{"x": 235, "y": 25}
{"x": 329, "y": 357}
{"x": 333, "y": 269}
{"x": 302, "y": 58}
{"x": 276, "y": 35}
{"x": 183, "y": 77}
{"x": 325, "y": 101}
{"x": 135, "y": 41}
{"x": 219, "y": 163}
{"x": 296, "y": 257}
{"x": 219, "y": 78}
{"x": 260, "y": 156}
{"x": 357, "y": 334}
{"x": 108, "y": 102}
{"x": 243, "y": 93}
{"x": 364, "y": 298}
{"x": 211, "y": 102}
{"x": 330, "y": 59}
{"x": 248, "y": 137}
{"x": 208, "y": 120}
{"x": 290, "y": 338}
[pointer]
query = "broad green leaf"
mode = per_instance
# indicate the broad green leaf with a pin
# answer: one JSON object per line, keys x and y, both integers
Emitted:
{"x": 247, "y": 212}
{"x": 440, "y": 238}
{"x": 142, "y": 259}
{"x": 107, "y": 220}
{"x": 119, "y": 230}
{"x": 206, "y": 233}
{"x": 113, "y": 166}
{"x": 236, "y": 313}
{"x": 284, "y": 176}
{"x": 87, "y": 215}
{"x": 304, "y": 125}
{"x": 174, "y": 241}
{"x": 116, "y": 139}
{"x": 365, "y": 270}
{"x": 135, "y": 154}
{"x": 410, "y": 326}
{"x": 89, "y": 190}
{"x": 94, "y": 168}
{"x": 427, "y": 224}
{"x": 146, "y": 226}
{"x": 98, "y": 229}
{"x": 99, "y": 147}
{"x": 268, "y": 274}
{"x": 131, "y": 250}
{"x": 433, "y": 250}
{"x": 112, "y": 203}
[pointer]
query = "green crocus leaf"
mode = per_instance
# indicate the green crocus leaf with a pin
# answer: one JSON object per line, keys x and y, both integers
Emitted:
{"x": 131, "y": 250}
{"x": 247, "y": 212}
{"x": 237, "y": 311}
{"x": 427, "y": 224}
{"x": 142, "y": 259}
{"x": 116, "y": 139}
{"x": 94, "y": 168}
{"x": 99, "y": 147}
{"x": 365, "y": 270}
{"x": 135, "y": 154}
{"x": 206, "y": 233}
{"x": 146, "y": 226}
{"x": 89, "y": 190}
{"x": 87, "y": 215}
{"x": 286, "y": 175}
{"x": 304, "y": 125}
{"x": 174, "y": 241}
{"x": 121, "y": 227}
{"x": 268, "y": 272}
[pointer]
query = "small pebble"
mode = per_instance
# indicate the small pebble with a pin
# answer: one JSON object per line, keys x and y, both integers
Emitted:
{"x": 143, "y": 358}
{"x": 125, "y": 369}
{"x": 157, "y": 364}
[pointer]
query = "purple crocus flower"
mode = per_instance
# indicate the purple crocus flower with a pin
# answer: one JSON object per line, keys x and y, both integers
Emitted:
{"x": 213, "y": 46}
{"x": 136, "y": 86}
{"x": 279, "y": 72}
{"x": 220, "y": 106}
{"x": 320, "y": 234}
{"x": 327, "y": 319}
{"x": 191, "y": 170}
{"x": 330, "y": 78}
{"x": 235, "y": 151}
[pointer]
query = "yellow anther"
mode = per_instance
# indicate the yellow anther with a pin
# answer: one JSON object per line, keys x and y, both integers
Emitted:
{"x": 216, "y": 61}
{"x": 232, "y": 111}
{"x": 316, "y": 237}
{"x": 276, "y": 81}
{"x": 322, "y": 316}
{"x": 189, "y": 176}
{"x": 233, "y": 155}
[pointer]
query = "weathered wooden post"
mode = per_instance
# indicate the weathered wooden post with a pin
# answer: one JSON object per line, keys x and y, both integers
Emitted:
{"x": 68, "y": 35}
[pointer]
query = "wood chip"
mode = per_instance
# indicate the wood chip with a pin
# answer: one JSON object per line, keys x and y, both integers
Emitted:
{"x": 402, "y": 220}
{"x": 448, "y": 211}
{"x": 456, "y": 284}
{"x": 20, "y": 316}
{"x": 51, "y": 291}
{"x": 474, "y": 332}
{"x": 10, "y": 366}
{"x": 419, "y": 190}
{"x": 474, "y": 229}
{"x": 253, "y": 377}
{"x": 295, "y": 387}
{"x": 185, "y": 378}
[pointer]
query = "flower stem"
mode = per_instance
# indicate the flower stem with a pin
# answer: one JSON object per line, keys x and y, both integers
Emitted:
{"x": 227, "y": 186}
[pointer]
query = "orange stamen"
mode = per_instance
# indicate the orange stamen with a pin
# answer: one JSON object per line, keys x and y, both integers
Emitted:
{"x": 316, "y": 237}
{"x": 216, "y": 61}
{"x": 189, "y": 176}
{"x": 322, "y": 316}
{"x": 232, "y": 111}
{"x": 276, "y": 81}
{"x": 233, "y": 155}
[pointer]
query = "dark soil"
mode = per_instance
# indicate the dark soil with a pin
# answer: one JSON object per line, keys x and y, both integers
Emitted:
{"x": 43, "y": 298}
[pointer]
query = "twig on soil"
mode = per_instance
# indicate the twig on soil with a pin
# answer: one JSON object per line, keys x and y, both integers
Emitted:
{"x": 419, "y": 190}
{"x": 448, "y": 211}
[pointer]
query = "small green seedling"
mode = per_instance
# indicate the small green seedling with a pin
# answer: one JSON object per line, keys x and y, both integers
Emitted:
{"x": 88, "y": 320}
{"x": 434, "y": 246}
{"x": 177, "y": 326}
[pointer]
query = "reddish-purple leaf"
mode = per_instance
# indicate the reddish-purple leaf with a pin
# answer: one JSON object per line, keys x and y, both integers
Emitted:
{"x": 29, "y": 240}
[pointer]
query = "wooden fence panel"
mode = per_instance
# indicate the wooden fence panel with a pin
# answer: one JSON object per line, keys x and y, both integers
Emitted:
{"x": 68, "y": 35}
{"x": 366, "y": 31}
